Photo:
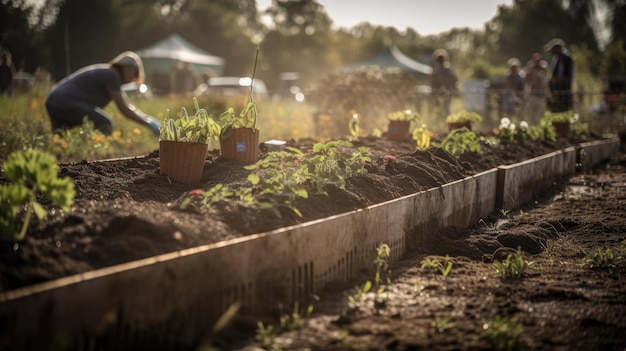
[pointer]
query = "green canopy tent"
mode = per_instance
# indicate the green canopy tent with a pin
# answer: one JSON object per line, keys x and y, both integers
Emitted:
{"x": 392, "y": 57}
{"x": 160, "y": 59}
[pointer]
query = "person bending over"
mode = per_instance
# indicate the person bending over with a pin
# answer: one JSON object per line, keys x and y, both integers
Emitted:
{"x": 85, "y": 92}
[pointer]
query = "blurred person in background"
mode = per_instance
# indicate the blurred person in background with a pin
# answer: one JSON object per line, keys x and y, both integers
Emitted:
{"x": 535, "y": 89}
{"x": 85, "y": 92}
{"x": 7, "y": 71}
{"x": 561, "y": 76}
{"x": 442, "y": 81}
{"x": 513, "y": 88}
{"x": 183, "y": 79}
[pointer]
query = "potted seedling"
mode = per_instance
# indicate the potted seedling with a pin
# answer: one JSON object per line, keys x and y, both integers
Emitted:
{"x": 183, "y": 144}
{"x": 239, "y": 137}
{"x": 463, "y": 118}
{"x": 561, "y": 121}
{"x": 400, "y": 124}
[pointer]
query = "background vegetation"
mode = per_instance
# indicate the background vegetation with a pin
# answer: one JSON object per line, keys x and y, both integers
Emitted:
{"x": 61, "y": 36}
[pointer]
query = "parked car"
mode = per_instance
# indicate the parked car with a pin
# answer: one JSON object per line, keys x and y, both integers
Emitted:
{"x": 233, "y": 86}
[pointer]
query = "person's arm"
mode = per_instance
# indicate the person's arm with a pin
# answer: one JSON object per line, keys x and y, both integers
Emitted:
{"x": 133, "y": 113}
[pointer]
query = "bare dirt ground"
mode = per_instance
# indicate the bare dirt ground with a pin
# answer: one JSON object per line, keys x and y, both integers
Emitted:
{"x": 560, "y": 303}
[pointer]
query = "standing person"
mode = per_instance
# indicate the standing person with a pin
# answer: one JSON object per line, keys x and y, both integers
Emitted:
{"x": 85, "y": 92}
{"x": 442, "y": 81}
{"x": 535, "y": 89}
{"x": 184, "y": 80}
{"x": 7, "y": 71}
{"x": 513, "y": 88}
{"x": 562, "y": 75}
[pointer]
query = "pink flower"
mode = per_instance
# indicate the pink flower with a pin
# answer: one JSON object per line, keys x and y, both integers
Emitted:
{"x": 389, "y": 157}
{"x": 299, "y": 160}
{"x": 195, "y": 192}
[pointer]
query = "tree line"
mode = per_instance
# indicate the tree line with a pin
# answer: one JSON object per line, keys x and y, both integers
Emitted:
{"x": 61, "y": 36}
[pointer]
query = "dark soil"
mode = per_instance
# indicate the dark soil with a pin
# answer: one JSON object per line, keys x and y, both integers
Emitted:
{"x": 561, "y": 303}
{"x": 125, "y": 210}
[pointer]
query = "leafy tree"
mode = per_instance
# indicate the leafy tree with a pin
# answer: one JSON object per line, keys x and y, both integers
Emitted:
{"x": 16, "y": 34}
{"x": 614, "y": 59}
{"x": 525, "y": 27}
{"x": 298, "y": 39}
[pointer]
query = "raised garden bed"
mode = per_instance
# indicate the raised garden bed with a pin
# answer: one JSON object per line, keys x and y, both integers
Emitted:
{"x": 126, "y": 211}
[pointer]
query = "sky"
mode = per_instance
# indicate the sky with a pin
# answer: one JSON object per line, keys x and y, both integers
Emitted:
{"x": 425, "y": 16}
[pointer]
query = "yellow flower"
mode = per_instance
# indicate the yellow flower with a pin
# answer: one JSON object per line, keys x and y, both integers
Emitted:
{"x": 136, "y": 131}
{"x": 60, "y": 141}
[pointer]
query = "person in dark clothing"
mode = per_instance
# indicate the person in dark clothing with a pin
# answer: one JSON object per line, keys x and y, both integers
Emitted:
{"x": 87, "y": 91}
{"x": 513, "y": 88}
{"x": 442, "y": 81}
{"x": 7, "y": 71}
{"x": 562, "y": 75}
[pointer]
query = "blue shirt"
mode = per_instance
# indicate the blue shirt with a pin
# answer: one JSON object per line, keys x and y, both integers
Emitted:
{"x": 91, "y": 85}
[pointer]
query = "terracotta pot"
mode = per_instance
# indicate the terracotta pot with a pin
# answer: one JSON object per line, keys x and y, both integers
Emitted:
{"x": 182, "y": 161}
{"x": 243, "y": 145}
{"x": 398, "y": 130}
{"x": 459, "y": 125}
{"x": 562, "y": 129}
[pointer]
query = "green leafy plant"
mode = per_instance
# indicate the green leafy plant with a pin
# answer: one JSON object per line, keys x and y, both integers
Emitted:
{"x": 460, "y": 141}
{"x": 464, "y": 116}
{"x": 198, "y": 128}
{"x": 441, "y": 324}
{"x": 505, "y": 334}
{"x": 604, "y": 259}
{"x": 354, "y": 127}
{"x": 207, "y": 198}
{"x": 444, "y": 267}
{"x": 513, "y": 266}
{"x": 31, "y": 172}
{"x": 229, "y": 120}
{"x": 382, "y": 266}
{"x": 279, "y": 179}
{"x": 284, "y": 176}
{"x": 559, "y": 117}
{"x": 266, "y": 334}
{"x": 360, "y": 291}
{"x": 422, "y": 136}
{"x": 331, "y": 164}
{"x": 404, "y": 116}
{"x": 293, "y": 320}
{"x": 507, "y": 130}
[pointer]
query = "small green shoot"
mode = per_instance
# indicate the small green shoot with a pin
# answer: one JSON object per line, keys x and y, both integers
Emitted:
{"x": 444, "y": 267}
{"x": 440, "y": 324}
{"x": 505, "y": 334}
{"x": 293, "y": 320}
{"x": 603, "y": 259}
{"x": 360, "y": 292}
{"x": 382, "y": 254}
{"x": 266, "y": 336}
{"x": 513, "y": 266}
